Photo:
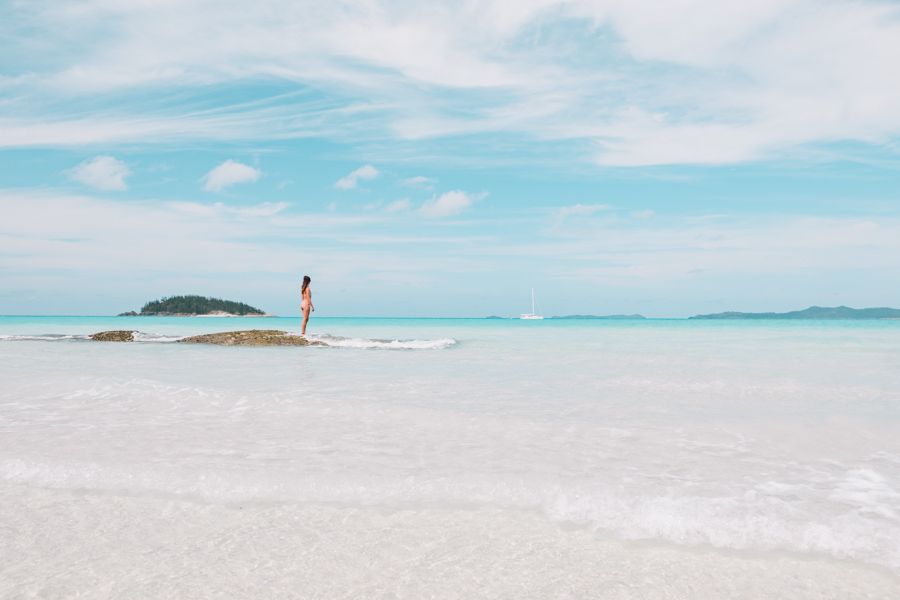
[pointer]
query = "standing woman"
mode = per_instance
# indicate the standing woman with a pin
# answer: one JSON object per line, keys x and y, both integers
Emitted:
{"x": 306, "y": 305}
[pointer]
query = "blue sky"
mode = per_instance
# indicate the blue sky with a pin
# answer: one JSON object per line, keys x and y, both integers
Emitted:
{"x": 442, "y": 159}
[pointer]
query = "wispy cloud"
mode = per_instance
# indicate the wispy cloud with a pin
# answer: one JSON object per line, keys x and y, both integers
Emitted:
{"x": 741, "y": 81}
{"x": 580, "y": 210}
{"x": 106, "y": 241}
{"x": 228, "y": 174}
{"x": 350, "y": 181}
{"x": 449, "y": 204}
{"x": 265, "y": 209}
{"x": 419, "y": 181}
{"x": 398, "y": 205}
{"x": 102, "y": 173}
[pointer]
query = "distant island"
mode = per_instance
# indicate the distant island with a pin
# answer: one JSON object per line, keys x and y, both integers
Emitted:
{"x": 586, "y": 317}
{"x": 813, "y": 312}
{"x": 619, "y": 317}
{"x": 188, "y": 306}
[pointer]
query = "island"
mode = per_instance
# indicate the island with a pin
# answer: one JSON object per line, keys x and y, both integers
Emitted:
{"x": 192, "y": 306}
{"x": 813, "y": 312}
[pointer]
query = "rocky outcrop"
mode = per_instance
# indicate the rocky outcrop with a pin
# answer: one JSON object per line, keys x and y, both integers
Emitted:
{"x": 253, "y": 337}
{"x": 113, "y": 336}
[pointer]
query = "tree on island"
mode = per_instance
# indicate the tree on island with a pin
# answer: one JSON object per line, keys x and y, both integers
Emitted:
{"x": 196, "y": 305}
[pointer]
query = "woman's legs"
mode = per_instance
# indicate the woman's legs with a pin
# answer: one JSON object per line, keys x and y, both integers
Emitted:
{"x": 305, "y": 320}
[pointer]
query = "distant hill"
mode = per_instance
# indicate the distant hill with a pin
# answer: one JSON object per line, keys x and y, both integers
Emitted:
{"x": 813, "y": 312}
{"x": 600, "y": 317}
{"x": 194, "y": 305}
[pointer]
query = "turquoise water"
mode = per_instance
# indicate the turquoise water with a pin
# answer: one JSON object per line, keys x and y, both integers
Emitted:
{"x": 392, "y": 327}
{"x": 724, "y": 445}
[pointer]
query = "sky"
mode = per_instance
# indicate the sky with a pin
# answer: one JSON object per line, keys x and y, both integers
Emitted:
{"x": 443, "y": 158}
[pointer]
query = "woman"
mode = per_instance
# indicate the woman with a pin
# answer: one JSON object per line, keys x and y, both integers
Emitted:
{"x": 306, "y": 305}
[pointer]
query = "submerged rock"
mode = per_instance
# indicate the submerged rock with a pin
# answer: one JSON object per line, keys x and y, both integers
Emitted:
{"x": 113, "y": 336}
{"x": 253, "y": 337}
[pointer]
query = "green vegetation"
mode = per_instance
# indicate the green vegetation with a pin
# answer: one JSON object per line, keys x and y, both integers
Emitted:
{"x": 194, "y": 305}
{"x": 813, "y": 312}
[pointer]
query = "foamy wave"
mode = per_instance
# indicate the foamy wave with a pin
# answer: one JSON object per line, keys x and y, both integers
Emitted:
{"x": 366, "y": 343}
{"x": 730, "y": 522}
{"x": 47, "y": 337}
{"x": 140, "y": 336}
{"x": 327, "y": 340}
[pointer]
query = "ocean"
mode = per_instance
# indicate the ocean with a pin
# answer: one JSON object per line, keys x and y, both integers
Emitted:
{"x": 451, "y": 458}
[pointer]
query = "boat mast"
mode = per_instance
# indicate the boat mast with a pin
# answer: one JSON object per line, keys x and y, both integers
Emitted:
{"x": 532, "y": 301}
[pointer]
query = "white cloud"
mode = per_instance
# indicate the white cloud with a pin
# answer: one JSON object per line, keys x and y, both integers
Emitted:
{"x": 398, "y": 205}
{"x": 349, "y": 181}
{"x": 98, "y": 235}
{"x": 419, "y": 181}
{"x": 580, "y": 210}
{"x": 735, "y": 81}
{"x": 102, "y": 173}
{"x": 449, "y": 204}
{"x": 97, "y": 244}
{"x": 265, "y": 209}
{"x": 229, "y": 173}
{"x": 643, "y": 214}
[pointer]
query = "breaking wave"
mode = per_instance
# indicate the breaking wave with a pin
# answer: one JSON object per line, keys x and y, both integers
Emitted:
{"x": 330, "y": 341}
{"x": 46, "y": 337}
{"x": 366, "y": 343}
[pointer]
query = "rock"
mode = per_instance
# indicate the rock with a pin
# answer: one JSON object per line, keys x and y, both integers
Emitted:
{"x": 113, "y": 336}
{"x": 252, "y": 337}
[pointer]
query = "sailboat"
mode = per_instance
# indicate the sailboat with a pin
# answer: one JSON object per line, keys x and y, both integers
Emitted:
{"x": 532, "y": 316}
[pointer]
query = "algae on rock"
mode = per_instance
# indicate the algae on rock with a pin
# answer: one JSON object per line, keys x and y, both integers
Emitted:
{"x": 114, "y": 336}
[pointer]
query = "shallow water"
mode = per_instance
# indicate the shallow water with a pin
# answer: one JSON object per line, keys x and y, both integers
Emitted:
{"x": 672, "y": 457}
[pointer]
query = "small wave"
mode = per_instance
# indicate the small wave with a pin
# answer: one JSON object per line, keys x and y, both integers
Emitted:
{"x": 325, "y": 339}
{"x": 367, "y": 344}
{"x": 140, "y": 336}
{"x": 47, "y": 337}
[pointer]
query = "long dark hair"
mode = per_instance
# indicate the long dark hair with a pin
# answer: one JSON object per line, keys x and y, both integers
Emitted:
{"x": 306, "y": 281}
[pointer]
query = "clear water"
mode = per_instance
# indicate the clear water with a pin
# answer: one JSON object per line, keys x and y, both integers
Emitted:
{"x": 742, "y": 458}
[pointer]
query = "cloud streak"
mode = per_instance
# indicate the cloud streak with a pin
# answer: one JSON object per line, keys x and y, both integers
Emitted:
{"x": 449, "y": 204}
{"x": 419, "y": 181}
{"x": 677, "y": 259}
{"x": 733, "y": 82}
{"x": 580, "y": 210}
{"x": 265, "y": 209}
